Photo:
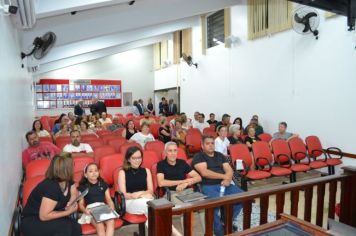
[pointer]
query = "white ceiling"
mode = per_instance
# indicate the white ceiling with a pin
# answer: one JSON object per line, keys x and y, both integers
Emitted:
{"x": 102, "y": 27}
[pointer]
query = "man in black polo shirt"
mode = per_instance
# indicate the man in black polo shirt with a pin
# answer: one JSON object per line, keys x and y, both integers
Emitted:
{"x": 216, "y": 178}
{"x": 175, "y": 173}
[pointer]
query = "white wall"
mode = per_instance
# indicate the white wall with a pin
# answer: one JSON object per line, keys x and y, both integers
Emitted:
{"x": 17, "y": 113}
{"x": 285, "y": 77}
{"x": 134, "y": 68}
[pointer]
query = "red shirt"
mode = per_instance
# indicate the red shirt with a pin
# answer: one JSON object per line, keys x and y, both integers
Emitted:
{"x": 45, "y": 150}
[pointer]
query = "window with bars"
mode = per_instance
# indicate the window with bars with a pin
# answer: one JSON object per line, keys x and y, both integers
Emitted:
{"x": 215, "y": 29}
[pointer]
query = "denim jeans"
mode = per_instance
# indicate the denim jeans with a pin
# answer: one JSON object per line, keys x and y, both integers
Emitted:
{"x": 213, "y": 191}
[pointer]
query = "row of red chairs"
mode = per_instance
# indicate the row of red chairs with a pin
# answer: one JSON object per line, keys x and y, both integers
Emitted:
{"x": 283, "y": 158}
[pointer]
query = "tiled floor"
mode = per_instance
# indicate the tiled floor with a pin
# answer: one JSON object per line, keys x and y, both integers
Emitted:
{"x": 130, "y": 229}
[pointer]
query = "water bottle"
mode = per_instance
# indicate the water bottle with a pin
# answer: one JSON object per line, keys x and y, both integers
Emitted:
{"x": 222, "y": 190}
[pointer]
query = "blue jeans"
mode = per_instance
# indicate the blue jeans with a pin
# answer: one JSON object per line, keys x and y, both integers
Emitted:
{"x": 213, "y": 191}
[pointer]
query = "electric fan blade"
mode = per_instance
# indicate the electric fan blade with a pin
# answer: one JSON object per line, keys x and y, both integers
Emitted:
{"x": 297, "y": 18}
{"x": 310, "y": 15}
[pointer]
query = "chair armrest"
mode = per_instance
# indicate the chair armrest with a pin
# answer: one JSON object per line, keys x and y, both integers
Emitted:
{"x": 289, "y": 160}
{"x": 263, "y": 158}
{"x": 120, "y": 203}
{"x": 168, "y": 193}
{"x": 245, "y": 171}
{"x": 340, "y": 153}
{"x": 17, "y": 218}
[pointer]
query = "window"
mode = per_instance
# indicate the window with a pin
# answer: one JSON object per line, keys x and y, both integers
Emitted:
{"x": 215, "y": 29}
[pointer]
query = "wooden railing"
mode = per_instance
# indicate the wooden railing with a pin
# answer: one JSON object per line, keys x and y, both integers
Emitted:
{"x": 161, "y": 211}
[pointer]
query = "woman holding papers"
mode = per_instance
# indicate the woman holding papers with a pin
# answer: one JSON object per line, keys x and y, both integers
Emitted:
{"x": 49, "y": 204}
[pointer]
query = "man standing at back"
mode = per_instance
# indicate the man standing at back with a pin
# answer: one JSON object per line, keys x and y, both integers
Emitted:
{"x": 172, "y": 108}
{"x": 216, "y": 178}
{"x": 78, "y": 109}
{"x": 97, "y": 107}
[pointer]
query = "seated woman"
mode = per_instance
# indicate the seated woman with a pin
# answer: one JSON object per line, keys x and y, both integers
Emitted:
{"x": 84, "y": 129}
{"x": 186, "y": 123}
{"x": 144, "y": 136}
{"x": 238, "y": 121}
{"x": 235, "y": 132}
{"x": 64, "y": 131}
{"x": 136, "y": 184}
{"x": 91, "y": 123}
{"x": 222, "y": 142}
{"x": 178, "y": 133}
{"x": 164, "y": 130}
{"x": 49, "y": 204}
{"x": 98, "y": 126}
{"x": 38, "y": 128}
{"x": 251, "y": 137}
{"x": 129, "y": 130}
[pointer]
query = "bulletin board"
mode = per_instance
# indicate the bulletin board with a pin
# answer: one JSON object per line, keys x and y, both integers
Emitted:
{"x": 53, "y": 93}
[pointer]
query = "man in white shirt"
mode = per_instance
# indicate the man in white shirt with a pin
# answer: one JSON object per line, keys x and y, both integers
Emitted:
{"x": 195, "y": 120}
{"x": 77, "y": 148}
{"x": 201, "y": 124}
{"x": 104, "y": 119}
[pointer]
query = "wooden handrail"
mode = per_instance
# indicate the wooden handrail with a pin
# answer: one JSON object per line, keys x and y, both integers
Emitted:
{"x": 347, "y": 202}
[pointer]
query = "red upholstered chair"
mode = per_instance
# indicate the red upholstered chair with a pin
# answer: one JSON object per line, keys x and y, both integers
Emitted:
{"x": 103, "y": 132}
{"x": 51, "y": 122}
{"x": 129, "y": 114}
{"x": 37, "y": 168}
{"x": 109, "y": 116}
{"x": 264, "y": 160}
{"x": 126, "y": 146}
{"x": 155, "y": 146}
{"x": 80, "y": 162}
{"x": 265, "y": 137}
{"x": 63, "y": 139}
{"x": 94, "y": 143}
{"x": 154, "y": 130}
{"x": 149, "y": 159}
{"x": 208, "y": 131}
{"x": 137, "y": 124}
{"x": 241, "y": 152}
{"x": 46, "y": 139}
{"x": 88, "y": 137}
{"x": 106, "y": 138}
{"x": 299, "y": 152}
{"x": 119, "y": 115}
{"x": 117, "y": 143}
{"x": 315, "y": 150}
{"x": 282, "y": 156}
{"x": 193, "y": 141}
{"x": 28, "y": 186}
{"x": 119, "y": 201}
{"x": 107, "y": 166}
{"x": 103, "y": 151}
{"x": 118, "y": 132}
{"x": 154, "y": 180}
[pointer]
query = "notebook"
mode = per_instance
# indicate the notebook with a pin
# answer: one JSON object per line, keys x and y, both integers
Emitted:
{"x": 102, "y": 213}
{"x": 191, "y": 197}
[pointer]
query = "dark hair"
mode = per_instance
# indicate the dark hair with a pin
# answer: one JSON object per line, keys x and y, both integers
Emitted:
{"x": 127, "y": 125}
{"x": 84, "y": 180}
{"x": 202, "y": 115}
{"x": 220, "y": 127}
{"x": 73, "y": 131}
{"x": 59, "y": 120}
{"x": 78, "y": 120}
{"x": 211, "y": 114}
{"x": 205, "y": 137}
{"x": 283, "y": 123}
{"x": 61, "y": 168}
{"x": 130, "y": 151}
{"x": 86, "y": 123}
{"x": 163, "y": 98}
{"x": 225, "y": 116}
{"x": 238, "y": 118}
{"x": 145, "y": 124}
{"x": 31, "y": 132}
{"x": 33, "y": 125}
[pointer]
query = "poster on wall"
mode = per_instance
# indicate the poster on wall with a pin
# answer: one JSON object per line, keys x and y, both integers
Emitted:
{"x": 52, "y": 94}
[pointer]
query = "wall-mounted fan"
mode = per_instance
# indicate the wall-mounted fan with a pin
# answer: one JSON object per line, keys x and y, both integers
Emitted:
{"x": 306, "y": 20}
{"x": 189, "y": 60}
{"x": 41, "y": 46}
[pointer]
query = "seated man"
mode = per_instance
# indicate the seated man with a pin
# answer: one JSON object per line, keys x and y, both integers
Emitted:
{"x": 216, "y": 178}
{"x": 77, "y": 148}
{"x": 175, "y": 173}
{"x": 254, "y": 123}
{"x": 104, "y": 119}
{"x": 147, "y": 119}
{"x": 57, "y": 127}
{"x": 37, "y": 150}
{"x": 201, "y": 124}
{"x": 282, "y": 133}
{"x": 115, "y": 124}
{"x": 225, "y": 121}
{"x": 212, "y": 120}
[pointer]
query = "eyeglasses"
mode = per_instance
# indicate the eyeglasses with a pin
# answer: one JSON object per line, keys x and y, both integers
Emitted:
{"x": 136, "y": 158}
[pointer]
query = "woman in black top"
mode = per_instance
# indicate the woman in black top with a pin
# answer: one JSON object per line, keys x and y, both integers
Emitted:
{"x": 49, "y": 204}
{"x": 251, "y": 137}
{"x": 164, "y": 131}
{"x": 149, "y": 107}
{"x": 129, "y": 130}
{"x": 235, "y": 132}
{"x": 135, "y": 182}
{"x": 238, "y": 121}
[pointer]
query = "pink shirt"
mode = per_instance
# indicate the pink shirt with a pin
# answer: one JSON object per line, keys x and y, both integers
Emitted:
{"x": 45, "y": 150}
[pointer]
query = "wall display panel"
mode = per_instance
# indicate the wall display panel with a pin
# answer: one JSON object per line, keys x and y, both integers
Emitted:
{"x": 52, "y": 94}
